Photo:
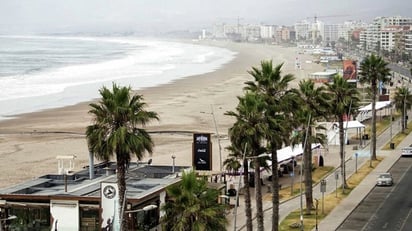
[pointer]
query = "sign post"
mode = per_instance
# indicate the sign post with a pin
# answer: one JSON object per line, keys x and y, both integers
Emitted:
{"x": 323, "y": 190}
{"x": 356, "y": 162}
{"x": 336, "y": 180}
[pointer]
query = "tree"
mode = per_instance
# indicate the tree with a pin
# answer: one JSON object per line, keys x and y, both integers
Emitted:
{"x": 374, "y": 71}
{"x": 403, "y": 103}
{"x": 192, "y": 206}
{"x": 314, "y": 107}
{"x": 115, "y": 132}
{"x": 248, "y": 130}
{"x": 344, "y": 102}
{"x": 280, "y": 101}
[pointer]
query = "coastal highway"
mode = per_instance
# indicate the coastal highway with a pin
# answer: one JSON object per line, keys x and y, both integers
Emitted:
{"x": 386, "y": 208}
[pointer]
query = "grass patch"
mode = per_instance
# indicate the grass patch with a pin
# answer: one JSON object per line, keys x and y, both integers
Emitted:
{"x": 318, "y": 174}
{"x": 397, "y": 139}
{"x": 381, "y": 125}
{"x": 292, "y": 221}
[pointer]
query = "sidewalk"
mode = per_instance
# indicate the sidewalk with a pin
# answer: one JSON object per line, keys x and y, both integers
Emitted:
{"x": 339, "y": 214}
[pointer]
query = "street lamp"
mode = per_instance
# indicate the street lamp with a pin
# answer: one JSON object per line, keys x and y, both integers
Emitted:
{"x": 173, "y": 166}
{"x": 301, "y": 174}
{"x": 218, "y": 136}
{"x": 292, "y": 175}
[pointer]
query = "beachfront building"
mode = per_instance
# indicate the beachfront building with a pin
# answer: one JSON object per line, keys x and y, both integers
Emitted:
{"x": 283, "y": 34}
{"x": 267, "y": 32}
{"x": 302, "y": 30}
{"x": 87, "y": 199}
{"x": 386, "y": 28}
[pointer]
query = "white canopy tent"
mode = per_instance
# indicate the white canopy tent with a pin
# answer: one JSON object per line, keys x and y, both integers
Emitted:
{"x": 286, "y": 154}
{"x": 365, "y": 112}
{"x": 379, "y": 105}
{"x": 333, "y": 134}
{"x": 349, "y": 124}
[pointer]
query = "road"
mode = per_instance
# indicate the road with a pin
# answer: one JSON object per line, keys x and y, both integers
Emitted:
{"x": 400, "y": 70}
{"x": 385, "y": 208}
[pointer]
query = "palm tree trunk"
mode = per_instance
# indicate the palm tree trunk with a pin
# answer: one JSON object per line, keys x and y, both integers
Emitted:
{"x": 307, "y": 158}
{"x": 342, "y": 151}
{"x": 248, "y": 204}
{"x": 121, "y": 183}
{"x": 259, "y": 205}
{"x": 373, "y": 141}
{"x": 275, "y": 190}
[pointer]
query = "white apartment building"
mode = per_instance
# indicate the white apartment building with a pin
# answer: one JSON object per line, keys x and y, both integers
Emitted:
{"x": 371, "y": 37}
{"x": 330, "y": 32}
{"x": 302, "y": 30}
{"x": 267, "y": 31}
{"x": 408, "y": 41}
{"x": 390, "y": 37}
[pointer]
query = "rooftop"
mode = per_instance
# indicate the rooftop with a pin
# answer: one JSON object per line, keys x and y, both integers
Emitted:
{"x": 141, "y": 180}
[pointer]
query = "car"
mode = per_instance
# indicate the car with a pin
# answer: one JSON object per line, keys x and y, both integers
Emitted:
{"x": 384, "y": 179}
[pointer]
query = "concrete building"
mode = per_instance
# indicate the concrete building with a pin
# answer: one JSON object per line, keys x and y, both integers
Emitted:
{"x": 408, "y": 41}
{"x": 267, "y": 31}
{"x": 331, "y": 32}
{"x": 371, "y": 37}
{"x": 302, "y": 30}
{"x": 283, "y": 34}
{"x": 390, "y": 37}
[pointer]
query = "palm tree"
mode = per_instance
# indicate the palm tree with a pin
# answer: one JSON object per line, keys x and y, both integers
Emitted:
{"x": 403, "y": 103}
{"x": 314, "y": 107}
{"x": 344, "y": 101}
{"x": 193, "y": 206}
{"x": 115, "y": 132}
{"x": 249, "y": 129}
{"x": 273, "y": 87}
{"x": 374, "y": 70}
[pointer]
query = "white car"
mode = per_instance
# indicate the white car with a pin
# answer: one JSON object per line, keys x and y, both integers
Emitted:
{"x": 384, "y": 179}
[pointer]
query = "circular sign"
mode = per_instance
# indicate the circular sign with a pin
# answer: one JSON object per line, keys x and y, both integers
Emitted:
{"x": 109, "y": 192}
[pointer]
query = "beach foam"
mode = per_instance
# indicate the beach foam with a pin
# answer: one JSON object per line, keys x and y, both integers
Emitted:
{"x": 147, "y": 63}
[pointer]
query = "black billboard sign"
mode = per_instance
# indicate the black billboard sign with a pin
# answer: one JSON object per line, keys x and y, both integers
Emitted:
{"x": 202, "y": 151}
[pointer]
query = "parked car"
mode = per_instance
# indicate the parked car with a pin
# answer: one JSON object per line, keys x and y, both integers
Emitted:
{"x": 384, "y": 179}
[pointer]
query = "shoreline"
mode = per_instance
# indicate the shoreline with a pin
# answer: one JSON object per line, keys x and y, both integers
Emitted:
{"x": 30, "y": 142}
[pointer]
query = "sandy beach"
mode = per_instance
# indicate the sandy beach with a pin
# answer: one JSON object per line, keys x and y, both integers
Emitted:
{"x": 30, "y": 143}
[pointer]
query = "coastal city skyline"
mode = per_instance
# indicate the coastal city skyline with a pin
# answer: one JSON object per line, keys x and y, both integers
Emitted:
{"x": 46, "y": 16}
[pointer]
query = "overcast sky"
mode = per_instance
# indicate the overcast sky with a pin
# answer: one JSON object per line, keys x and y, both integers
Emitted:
{"x": 37, "y": 16}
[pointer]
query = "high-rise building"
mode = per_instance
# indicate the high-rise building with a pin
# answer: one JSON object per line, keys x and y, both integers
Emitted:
{"x": 383, "y": 28}
{"x": 302, "y": 30}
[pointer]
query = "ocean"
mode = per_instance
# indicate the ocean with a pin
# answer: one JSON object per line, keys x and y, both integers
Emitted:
{"x": 43, "y": 72}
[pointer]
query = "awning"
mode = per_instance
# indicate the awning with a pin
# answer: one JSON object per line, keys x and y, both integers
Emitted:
{"x": 287, "y": 153}
{"x": 350, "y": 124}
{"x": 379, "y": 105}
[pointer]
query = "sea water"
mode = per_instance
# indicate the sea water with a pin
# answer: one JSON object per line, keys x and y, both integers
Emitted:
{"x": 42, "y": 72}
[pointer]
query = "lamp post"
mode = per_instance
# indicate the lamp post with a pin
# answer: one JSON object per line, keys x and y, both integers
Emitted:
{"x": 238, "y": 188}
{"x": 301, "y": 174}
{"x": 292, "y": 175}
{"x": 173, "y": 166}
{"x": 218, "y": 136}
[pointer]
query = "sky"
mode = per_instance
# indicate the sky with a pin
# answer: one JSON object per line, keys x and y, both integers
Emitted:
{"x": 60, "y": 16}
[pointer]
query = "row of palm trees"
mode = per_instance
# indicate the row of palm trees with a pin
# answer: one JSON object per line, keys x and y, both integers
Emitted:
{"x": 268, "y": 116}
{"x": 271, "y": 115}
